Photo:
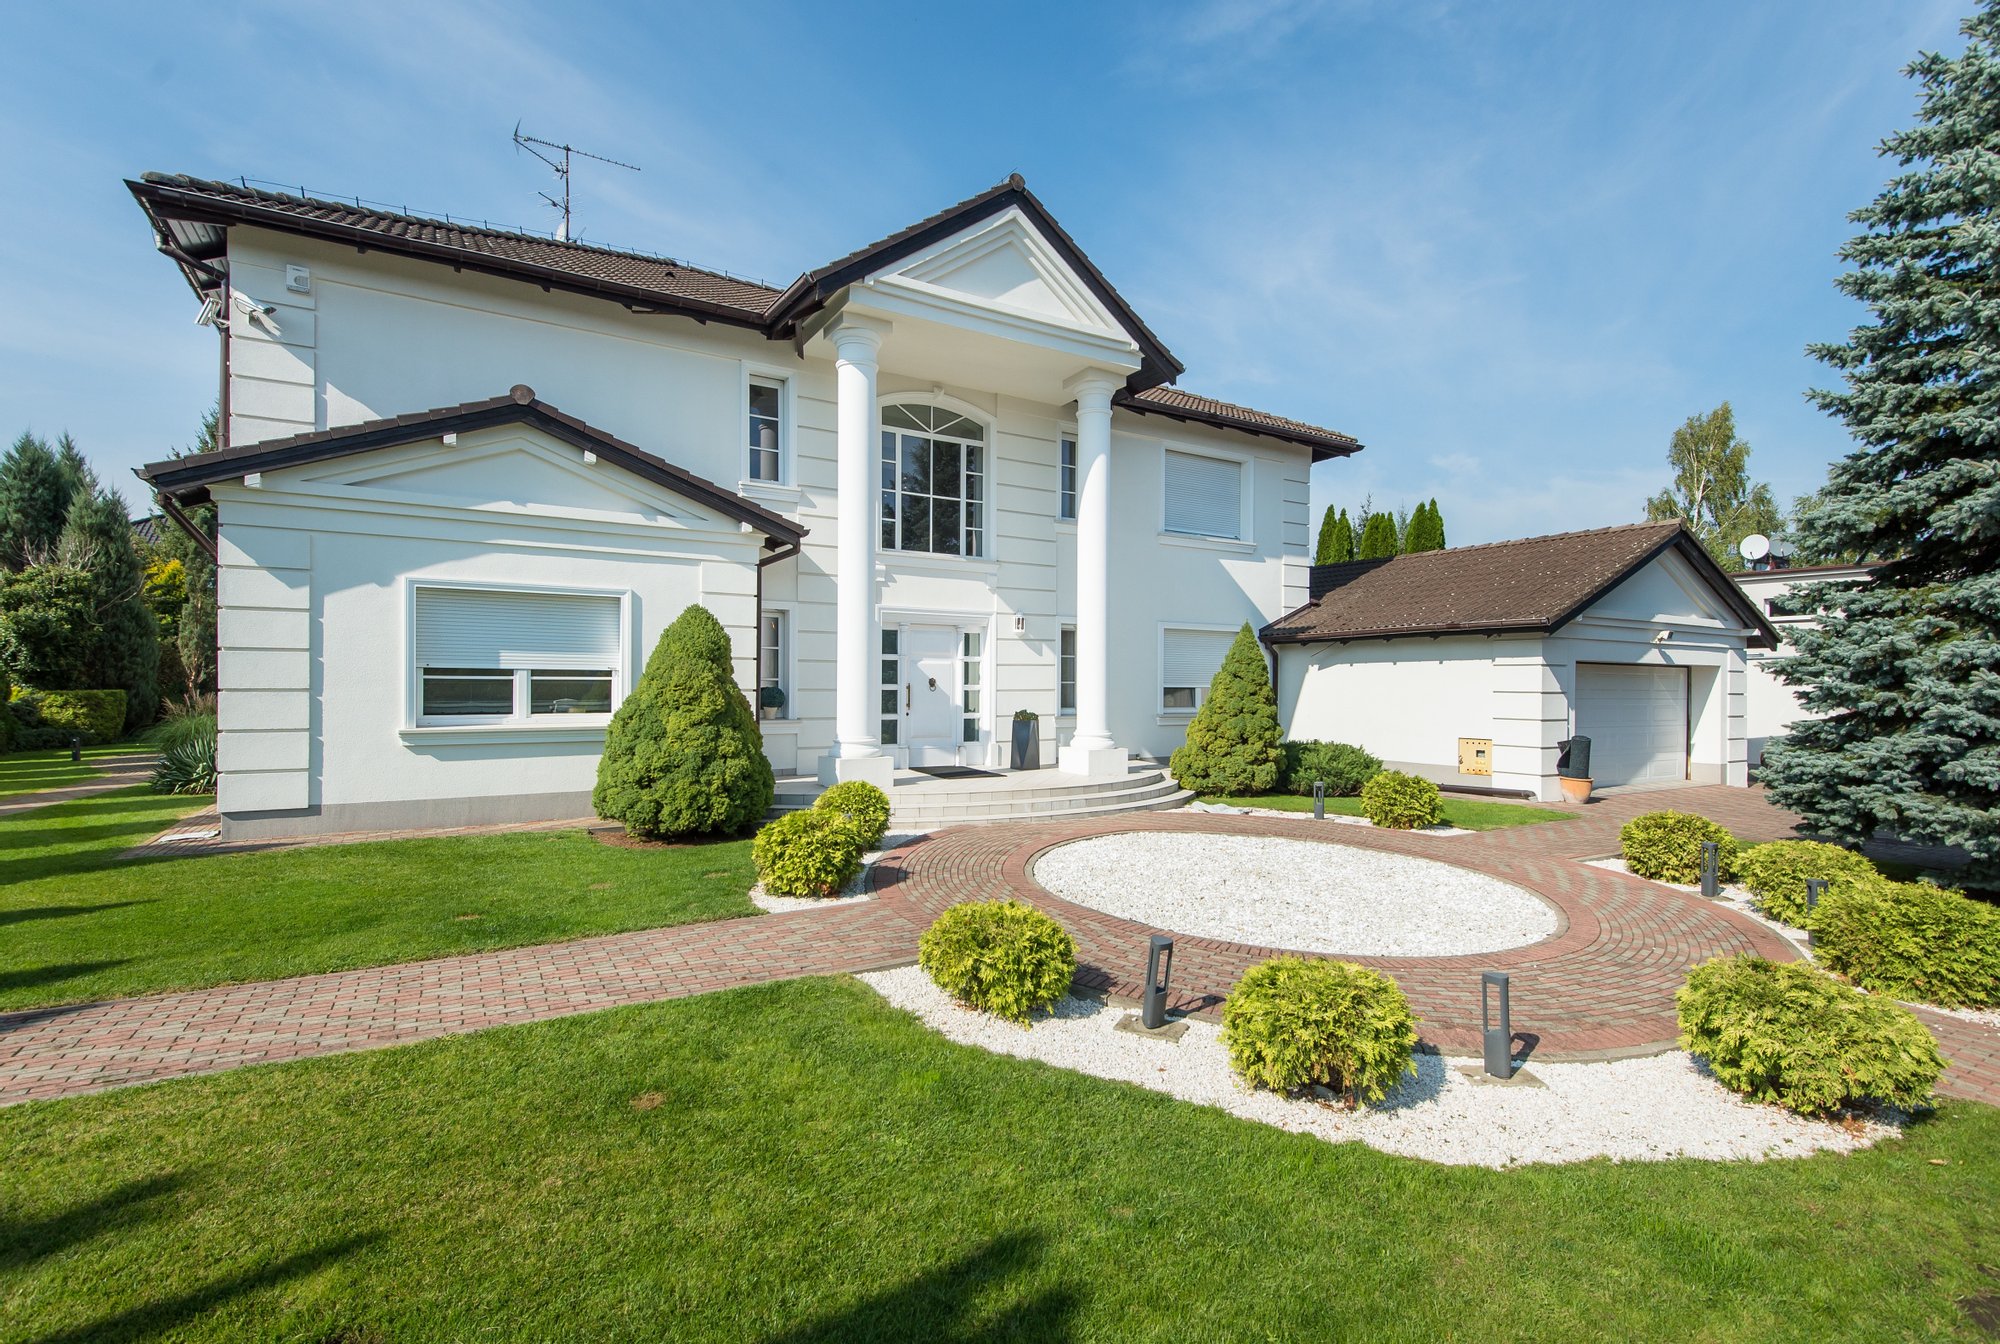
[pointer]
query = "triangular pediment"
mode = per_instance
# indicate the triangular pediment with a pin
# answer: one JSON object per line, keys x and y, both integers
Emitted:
{"x": 1005, "y": 263}
{"x": 1668, "y": 589}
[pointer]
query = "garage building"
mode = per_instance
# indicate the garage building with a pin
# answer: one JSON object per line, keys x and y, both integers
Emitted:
{"x": 1471, "y": 666}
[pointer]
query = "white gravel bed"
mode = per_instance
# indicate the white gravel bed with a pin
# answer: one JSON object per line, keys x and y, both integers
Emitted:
{"x": 853, "y": 892}
{"x": 1985, "y": 1017}
{"x": 1632, "y": 1110}
{"x": 1296, "y": 894}
{"x": 1226, "y": 810}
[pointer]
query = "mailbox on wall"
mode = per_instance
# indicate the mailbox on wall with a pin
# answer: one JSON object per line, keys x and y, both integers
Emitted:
{"x": 1475, "y": 755}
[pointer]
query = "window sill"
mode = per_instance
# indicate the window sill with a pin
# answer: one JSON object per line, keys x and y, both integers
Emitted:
{"x": 1066, "y": 525}
{"x": 775, "y": 491}
{"x": 779, "y": 725}
{"x": 1208, "y": 543}
{"x": 477, "y": 734}
{"x": 1180, "y": 720}
{"x": 944, "y": 564}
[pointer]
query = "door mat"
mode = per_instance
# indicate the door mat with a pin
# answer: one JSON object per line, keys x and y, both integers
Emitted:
{"x": 954, "y": 772}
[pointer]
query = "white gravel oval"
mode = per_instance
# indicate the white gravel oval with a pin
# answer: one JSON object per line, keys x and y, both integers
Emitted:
{"x": 1297, "y": 894}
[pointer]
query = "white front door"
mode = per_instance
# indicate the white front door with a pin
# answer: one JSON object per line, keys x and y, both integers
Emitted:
{"x": 1637, "y": 721}
{"x": 933, "y": 723}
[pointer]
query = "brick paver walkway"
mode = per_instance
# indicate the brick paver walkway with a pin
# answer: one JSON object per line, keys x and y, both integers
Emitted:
{"x": 1603, "y": 984}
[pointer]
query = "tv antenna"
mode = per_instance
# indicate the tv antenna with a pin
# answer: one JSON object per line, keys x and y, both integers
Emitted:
{"x": 561, "y": 170}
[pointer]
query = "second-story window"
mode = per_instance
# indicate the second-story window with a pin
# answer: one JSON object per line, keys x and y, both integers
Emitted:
{"x": 766, "y": 431}
{"x": 933, "y": 481}
{"x": 1066, "y": 484}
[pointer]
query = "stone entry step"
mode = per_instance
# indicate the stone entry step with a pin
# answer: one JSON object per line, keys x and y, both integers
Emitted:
{"x": 920, "y": 802}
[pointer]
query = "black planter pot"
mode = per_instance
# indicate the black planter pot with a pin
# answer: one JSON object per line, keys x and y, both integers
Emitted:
{"x": 1027, "y": 744}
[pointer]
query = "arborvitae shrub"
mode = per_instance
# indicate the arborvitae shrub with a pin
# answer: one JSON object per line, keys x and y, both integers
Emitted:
{"x": 865, "y": 807}
{"x": 1232, "y": 744}
{"x": 683, "y": 755}
{"x": 1666, "y": 846}
{"x": 1776, "y": 874}
{"x": 1401, "y": 802}
{"x": 1291, "y": 1022}
{"x": 1002, "y": 957}
{"x": 1912, "y": 941}
{"x": 808, "y": 853}
{"x": 1342, "y": 767}
{"x": 1793, "y": 1035}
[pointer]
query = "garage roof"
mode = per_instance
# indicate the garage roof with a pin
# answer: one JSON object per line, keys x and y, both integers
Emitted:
{"x": 1533, "y": 586}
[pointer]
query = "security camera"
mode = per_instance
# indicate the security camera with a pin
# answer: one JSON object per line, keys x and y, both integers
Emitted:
{"x": 1662, "y": 636}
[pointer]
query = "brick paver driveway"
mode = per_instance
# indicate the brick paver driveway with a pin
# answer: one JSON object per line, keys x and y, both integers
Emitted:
{"x": 1603, "y": 984}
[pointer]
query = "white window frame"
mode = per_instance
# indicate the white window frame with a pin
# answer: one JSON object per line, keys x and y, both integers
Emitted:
{"x": 1245, "y": 490}
{"x": 520, "y": 720}
{"x": 1066, "y": 495}
{"x": 786, "y": 680}
{"x": 988, "y": 457}
{"x": 787, "y": 386}
{"x": 1066, "y": 704}
{"x": 1177, "y": 714}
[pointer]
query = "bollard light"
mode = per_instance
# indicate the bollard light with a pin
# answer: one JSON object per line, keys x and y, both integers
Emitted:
{"x": 1159, "y": 965}
{"x": 1711, "y": 869}
{"x": 1319, "y": 800}
{"x": 1499, "y": 1039}
{"x": 75, "y": 748}
{"x": 1815, "y": 888}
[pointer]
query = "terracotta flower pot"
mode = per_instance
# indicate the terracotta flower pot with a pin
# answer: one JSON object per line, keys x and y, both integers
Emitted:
{"x": 1575, "y": 790}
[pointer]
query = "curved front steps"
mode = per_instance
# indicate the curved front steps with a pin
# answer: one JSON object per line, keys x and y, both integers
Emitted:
{"x": 920, "y": 803}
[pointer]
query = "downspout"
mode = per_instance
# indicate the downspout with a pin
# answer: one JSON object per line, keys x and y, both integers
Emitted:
{"x": 187, "y": 525}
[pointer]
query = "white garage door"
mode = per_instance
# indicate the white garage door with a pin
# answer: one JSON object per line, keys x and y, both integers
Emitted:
{"x": 1636, "y": 720}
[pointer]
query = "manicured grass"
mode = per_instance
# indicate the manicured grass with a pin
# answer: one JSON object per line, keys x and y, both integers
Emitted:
{"x": 82, "y": 923}
{"x": 1472, "y": 814}
{"x": 33, "y": 771}
{"x": 798, "y": 1162}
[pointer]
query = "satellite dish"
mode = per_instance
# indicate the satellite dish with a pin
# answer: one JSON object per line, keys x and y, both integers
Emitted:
{"x": 1783, "y": 550}
{"x": 1755, "y": 546}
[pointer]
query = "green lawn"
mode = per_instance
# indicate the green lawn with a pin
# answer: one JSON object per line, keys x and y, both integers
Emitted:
{"x": 1473, "y": 814}
{"x": 81, "y": 923}
{"x": 799, "y": 1162}
{"x": 32, "y": 771}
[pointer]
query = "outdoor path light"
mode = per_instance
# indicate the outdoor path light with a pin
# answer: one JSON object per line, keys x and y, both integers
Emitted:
{"x": 1815, "y": 888}
{"x": 1319, "y": 800}
{"x": 1711, "y": 869}
{"x": 75, "y": 748}
{"x": 1499, "y": 1039}
{"x": 1159, "y": 965}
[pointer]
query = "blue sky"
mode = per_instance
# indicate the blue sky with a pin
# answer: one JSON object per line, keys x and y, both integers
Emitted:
{"x": 1509, "y": 247}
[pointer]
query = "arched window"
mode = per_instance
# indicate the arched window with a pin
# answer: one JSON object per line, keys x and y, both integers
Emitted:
{"x": 933, "y": 481}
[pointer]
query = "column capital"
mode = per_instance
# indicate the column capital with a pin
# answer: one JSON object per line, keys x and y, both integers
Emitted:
{"x": 856, "y": 337}
{"x": 1093, "y": 388}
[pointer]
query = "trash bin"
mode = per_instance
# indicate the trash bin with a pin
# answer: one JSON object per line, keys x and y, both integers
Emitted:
{"x": 1574, "y": 762}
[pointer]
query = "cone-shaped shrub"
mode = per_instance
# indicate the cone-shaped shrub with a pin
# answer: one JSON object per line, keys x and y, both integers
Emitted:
{"x": 683, "y": 755}
{"x": 1233, "y": 744}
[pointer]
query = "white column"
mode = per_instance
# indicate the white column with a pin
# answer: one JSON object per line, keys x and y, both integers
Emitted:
{"x": 857, "y": 751}
{"x": 1090, "y": 751}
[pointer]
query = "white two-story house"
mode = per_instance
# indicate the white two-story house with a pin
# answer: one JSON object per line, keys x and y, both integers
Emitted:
{"x": 469, "y": 476}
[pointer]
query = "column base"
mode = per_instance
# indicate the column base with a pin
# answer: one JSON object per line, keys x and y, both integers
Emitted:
{"x": 879, "y": 770}
{"x": 1093, "y": 762}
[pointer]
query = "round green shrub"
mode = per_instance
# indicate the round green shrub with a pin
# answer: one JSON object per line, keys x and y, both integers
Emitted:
{"x": 1343, "y": 767}
{"x": 1002, "y": 957}
{"x": 809, "y": 853}
{"x": 1790, "y": 1034}
{"x": 683, "y": 754}
{"x": 1666, "y": 846}
{"x": 1910, "y": 940}
{"x": 865, "y": 807}
{"x": 1401, "y": 802}
{"x": 1776, "y": 874}
{"x": 1293, "y": 1021}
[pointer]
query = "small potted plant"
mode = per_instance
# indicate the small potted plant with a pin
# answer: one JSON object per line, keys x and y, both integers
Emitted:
{"x": 770, "y": 700}
{"x": 1027, "y": 740}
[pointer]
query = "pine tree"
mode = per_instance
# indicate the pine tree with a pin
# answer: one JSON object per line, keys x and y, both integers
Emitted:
{"x": 1378, "y": 538}
{"x": 125, "y": 654}
{"x": 683, "y": 755}
{"x": 1437, "y": 527}
{"x": 1232, "y": 744}
{"x": 1336, "y": 539}
{"x": 1902, "y": 664}
{"x": 194, "y": 630}
{"x": 36, "y": 485}
{"x": 1426, "y": 531}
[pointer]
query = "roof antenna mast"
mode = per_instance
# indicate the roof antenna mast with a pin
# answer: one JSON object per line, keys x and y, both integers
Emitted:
{"x": 561, "y": 169}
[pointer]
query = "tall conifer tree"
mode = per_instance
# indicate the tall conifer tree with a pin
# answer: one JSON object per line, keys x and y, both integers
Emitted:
{"x": 1378, "y": 538}
{"x": 1336, "y": 539}
{"x": 1905, "y": 665}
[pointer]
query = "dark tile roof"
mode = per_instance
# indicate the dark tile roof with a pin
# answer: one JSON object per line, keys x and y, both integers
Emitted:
{"x": 186, "y": 479}
{"x": 1532, "y": 586}
{"x": 193, "y": 214}
{"x": 147, "y": 531}
{"x": 1190, "y": 406}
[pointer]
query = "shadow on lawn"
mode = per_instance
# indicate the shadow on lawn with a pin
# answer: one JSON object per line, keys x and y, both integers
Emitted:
{"x": 32, "y": 912}
{"x": 152, "y": 1319}
{"x": 24, "y": 1241}
{"x": 938, "y": 1306}
{"x": 34, "y": 977}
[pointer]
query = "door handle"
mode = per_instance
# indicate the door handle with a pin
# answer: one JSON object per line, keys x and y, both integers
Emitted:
{"x": 906, "y": 697}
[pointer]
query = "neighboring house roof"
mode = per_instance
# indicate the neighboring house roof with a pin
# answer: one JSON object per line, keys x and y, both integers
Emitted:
{"x": 192, "y": 217}
{"x": 1200, "y": 410}
{"x": 1533, "y": 586}
{"x": 147, "y": 531}
{"x": 186, "y": 479}
{"x": 811, "y": 291}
